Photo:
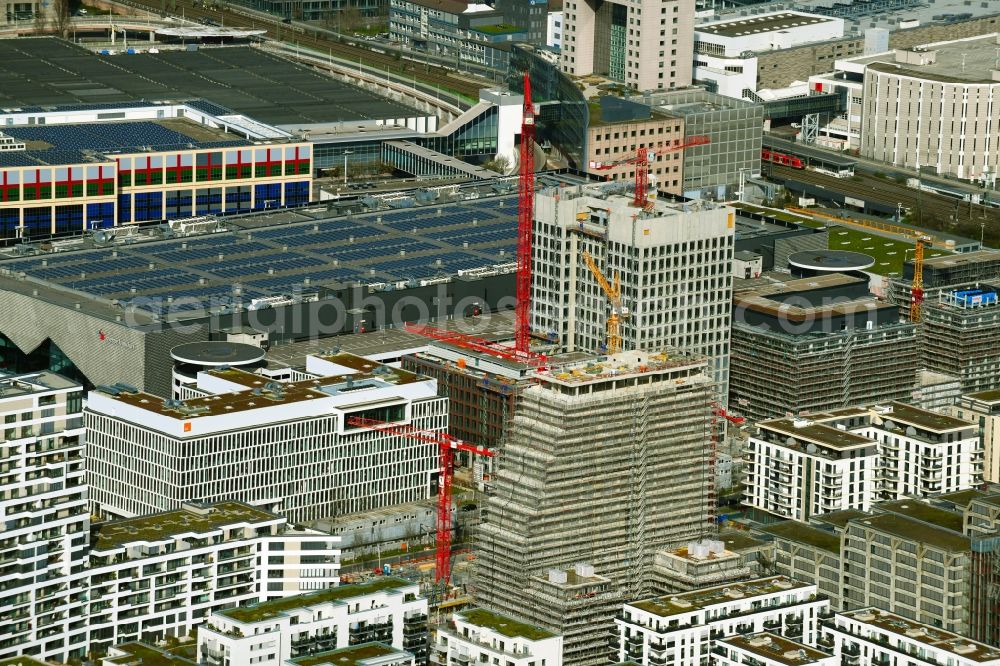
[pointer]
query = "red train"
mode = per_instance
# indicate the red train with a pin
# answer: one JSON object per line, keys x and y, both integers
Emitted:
{"x": 768, "y": 155}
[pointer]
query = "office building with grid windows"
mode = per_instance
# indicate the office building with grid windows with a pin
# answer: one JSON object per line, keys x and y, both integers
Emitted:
{"x": 674, "y": 262}
{"x": 255, "y": 440}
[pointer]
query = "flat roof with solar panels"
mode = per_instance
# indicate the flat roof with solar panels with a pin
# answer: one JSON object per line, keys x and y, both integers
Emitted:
{"x": 384, "y": 249}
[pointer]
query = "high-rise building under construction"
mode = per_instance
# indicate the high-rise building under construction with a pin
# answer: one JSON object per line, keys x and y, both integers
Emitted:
{"x": 673, "y": 262}
{"x": 604, "y": 463}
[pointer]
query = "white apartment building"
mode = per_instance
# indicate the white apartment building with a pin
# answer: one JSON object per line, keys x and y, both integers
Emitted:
{"x": 45, "y": 526}
{"x": 682, "y": 629}
{"x": 768, "y": 649}
{"x": 798, "y": 468}
{"x": 868, "y": 637}
{"x": 384, "y": 610}
{"x": 848, "y": 458}
{"x": 647, "y": 45}
{"x": 983, "y": 408}
{"x": 923, "y": 452}
{"x": 255, "y": 440}
{"x": 163, "y": 574}
{"x": 674, "y": 262}
{"x": 481, "y": 636}
{"x": 726, "y": 51}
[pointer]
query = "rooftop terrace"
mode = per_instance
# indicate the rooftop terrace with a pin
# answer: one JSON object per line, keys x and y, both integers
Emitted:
{"x": 924, "y": 418}
{"x": 269, "y": 610}
{"x": 926, "y": 634}
{"x": 147, "y": 655}
{"x": 595, "y": 369}
{"x": 16, "y": 386}
{"x": 806, "y": 431}
{"x": 355, "y": 655}
{"x": 776, "y": 648}
{"x": 504, "y": 625}
{"x": 260, "y": 392}
{"x": 169, "y": 524}
{"x": 986, "y": 396}
{"x": 689, "y": 602}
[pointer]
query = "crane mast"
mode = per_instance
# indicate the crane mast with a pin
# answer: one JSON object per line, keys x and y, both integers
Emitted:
{"x": 447, "y": 446}
{"x": 614, "y": 294}
{"x": 525, "y": 219}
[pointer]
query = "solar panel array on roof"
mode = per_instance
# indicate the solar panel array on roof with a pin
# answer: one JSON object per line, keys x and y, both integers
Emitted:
{"x": 127, "y": 136}
{"x": 276, "y": 260}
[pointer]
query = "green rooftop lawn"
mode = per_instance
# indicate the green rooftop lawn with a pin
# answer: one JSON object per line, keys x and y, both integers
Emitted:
{"x": 927, "y": 513}
{"x": 919, "y": 532}
{"x": 504, "y": 625}
{"x": 802, "y": 533}
{"x": 349, "y": 656}
{"x": 270, "y": 609}
{"x": 501, "y": 29}
{"x": 159, "y": 526}
{"x": 23, "y": 661}
{"x": 889, "y": 253}
{"x": 986, "y": 396}
{"x": 149, "y": 656}
{"x": 962, "y": 498}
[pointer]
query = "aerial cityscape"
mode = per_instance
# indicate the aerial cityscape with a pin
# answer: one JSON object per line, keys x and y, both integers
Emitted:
{"x": 500, "y": 332}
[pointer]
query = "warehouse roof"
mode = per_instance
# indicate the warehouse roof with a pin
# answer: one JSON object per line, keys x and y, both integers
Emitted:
{"x": 40, "y": 72}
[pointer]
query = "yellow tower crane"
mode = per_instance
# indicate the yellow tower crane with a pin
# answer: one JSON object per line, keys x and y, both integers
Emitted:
{"x": 917, "y": 286}
{"x": 614, "y": 294}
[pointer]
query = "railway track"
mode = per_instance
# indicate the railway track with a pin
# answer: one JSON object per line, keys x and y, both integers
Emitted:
{"x": 928, "y": 210}
{"x": 310, "y": 38}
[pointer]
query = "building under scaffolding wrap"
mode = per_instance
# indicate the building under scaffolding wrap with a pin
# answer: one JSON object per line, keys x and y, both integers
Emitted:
{"x": 605, "y": 462}
{"x": 961, "y": 335}
{"x": 817, "y": 344}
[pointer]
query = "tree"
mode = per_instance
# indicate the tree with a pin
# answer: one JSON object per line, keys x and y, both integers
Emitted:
{"x": 41, "y": 20}
{"x": 61, "y": 17}
{"x": 500, "y": 164}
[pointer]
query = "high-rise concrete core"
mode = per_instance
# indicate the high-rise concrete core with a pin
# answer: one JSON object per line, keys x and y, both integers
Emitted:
{"x": 605, "y": 463}
{"x": 674, "y": 262}
{"x": 648, "y": 45}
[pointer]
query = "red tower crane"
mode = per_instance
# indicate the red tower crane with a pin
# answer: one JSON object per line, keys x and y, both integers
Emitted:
{"x": 641, "y": 162}
{"x": 447, "y": 446}
{"x": 525, "y": 217}
{"x": 475, "y": 344}
{"x": 718, "y": 413}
